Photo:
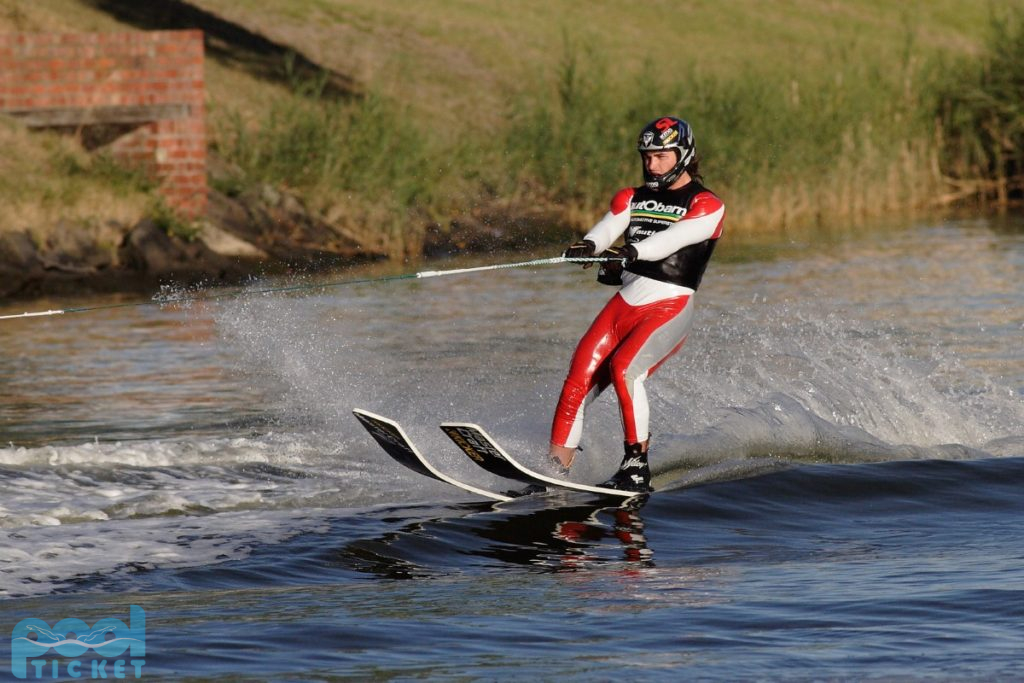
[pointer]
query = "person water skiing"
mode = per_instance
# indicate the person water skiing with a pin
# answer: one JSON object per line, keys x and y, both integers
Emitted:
{"x": 671, "y": 225}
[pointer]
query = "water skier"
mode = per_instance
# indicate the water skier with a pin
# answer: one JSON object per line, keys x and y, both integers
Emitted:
{"x": 671, "y": 224}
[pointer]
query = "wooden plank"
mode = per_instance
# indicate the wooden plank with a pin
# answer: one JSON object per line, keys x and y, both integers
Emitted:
{"x": 78, "y": 116}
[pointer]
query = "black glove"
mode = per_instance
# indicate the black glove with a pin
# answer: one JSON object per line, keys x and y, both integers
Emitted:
{"x": 610, "y": 272}
{"x": 625, "y": 254}
{"x": 581, "y": 249}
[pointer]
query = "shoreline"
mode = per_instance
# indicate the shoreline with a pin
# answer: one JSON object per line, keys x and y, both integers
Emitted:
{"x": 236, "y": 240}
{"x": 267, "y": 234}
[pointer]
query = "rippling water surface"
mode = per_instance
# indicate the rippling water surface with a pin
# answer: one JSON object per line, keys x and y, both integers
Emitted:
{"x": 839, "y": 449}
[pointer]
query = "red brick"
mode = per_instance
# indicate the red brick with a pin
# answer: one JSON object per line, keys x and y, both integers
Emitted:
{"x": 107, "y": 69}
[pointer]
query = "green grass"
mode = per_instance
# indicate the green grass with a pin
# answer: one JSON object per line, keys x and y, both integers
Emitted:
{"x": 360, "y": 161}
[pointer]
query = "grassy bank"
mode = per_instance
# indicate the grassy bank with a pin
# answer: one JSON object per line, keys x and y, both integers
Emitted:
{"x": 809, "y": 114}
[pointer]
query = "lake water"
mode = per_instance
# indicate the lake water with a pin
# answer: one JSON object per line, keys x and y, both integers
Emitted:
{"x": 839, "y": 448}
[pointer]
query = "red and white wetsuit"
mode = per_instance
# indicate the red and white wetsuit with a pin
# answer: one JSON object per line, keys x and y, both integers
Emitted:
{"x": 648, "y": 319}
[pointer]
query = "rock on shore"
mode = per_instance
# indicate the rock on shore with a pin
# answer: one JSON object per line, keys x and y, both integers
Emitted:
{"x": 240, "y": 236}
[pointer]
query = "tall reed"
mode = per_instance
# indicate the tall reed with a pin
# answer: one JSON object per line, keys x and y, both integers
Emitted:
{"x": 365, "y": 163}
{"x": 785, "y": 149}
{"x": 981, "y": 109}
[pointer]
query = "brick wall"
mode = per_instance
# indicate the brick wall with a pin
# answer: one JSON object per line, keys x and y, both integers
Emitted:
{"x": 147, "y": 81}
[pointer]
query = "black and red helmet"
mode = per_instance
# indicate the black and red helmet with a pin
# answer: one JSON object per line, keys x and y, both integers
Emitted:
{"x": 662, "y": 134}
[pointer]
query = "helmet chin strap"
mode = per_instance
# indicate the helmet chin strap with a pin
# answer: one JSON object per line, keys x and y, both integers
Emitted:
{"x": 663, "y": 181}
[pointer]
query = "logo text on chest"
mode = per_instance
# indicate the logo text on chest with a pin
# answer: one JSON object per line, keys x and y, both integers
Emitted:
{"x": 652, "y": 208}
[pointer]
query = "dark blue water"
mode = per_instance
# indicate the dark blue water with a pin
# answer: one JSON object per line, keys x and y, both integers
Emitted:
{"x": 914, "y": 571}
{"x": 843, "y": 479}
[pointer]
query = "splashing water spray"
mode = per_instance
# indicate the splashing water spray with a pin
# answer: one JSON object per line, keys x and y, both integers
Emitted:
{"x": 178, "y": 298}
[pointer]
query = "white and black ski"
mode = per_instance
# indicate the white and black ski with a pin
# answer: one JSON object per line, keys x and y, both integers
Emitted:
{"x": 393, "y": 439}
{"x": 486, "y": 453}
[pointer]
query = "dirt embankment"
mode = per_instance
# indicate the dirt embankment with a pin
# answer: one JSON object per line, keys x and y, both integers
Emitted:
{"x": 269, "y": 232}
{"x": 263, "y": 232}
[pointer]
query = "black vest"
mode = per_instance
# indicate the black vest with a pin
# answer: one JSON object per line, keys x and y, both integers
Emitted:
{"x": 653, "y": 211}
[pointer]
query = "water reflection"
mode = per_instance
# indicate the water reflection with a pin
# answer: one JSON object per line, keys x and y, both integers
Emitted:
{"x": 550, "y": 534}
{"x": 627, "y": 528}
{"x": 121, "y": 374}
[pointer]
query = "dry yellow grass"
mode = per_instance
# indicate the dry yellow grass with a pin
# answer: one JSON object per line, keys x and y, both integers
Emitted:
{"x": 47, "y": 179}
